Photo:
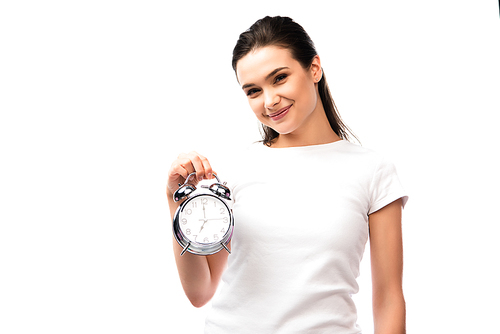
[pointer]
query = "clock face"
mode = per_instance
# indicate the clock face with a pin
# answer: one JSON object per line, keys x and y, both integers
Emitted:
{"x": 204, "y": 219}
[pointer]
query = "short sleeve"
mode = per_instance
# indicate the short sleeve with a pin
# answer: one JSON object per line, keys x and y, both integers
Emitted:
{"x": 385, "y": 187}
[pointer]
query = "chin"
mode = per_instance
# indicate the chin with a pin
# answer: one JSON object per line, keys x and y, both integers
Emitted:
{"x": 282, "y": 131}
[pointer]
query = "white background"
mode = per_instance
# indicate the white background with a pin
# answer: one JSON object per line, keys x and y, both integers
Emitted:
{"x": 98, "y": 97}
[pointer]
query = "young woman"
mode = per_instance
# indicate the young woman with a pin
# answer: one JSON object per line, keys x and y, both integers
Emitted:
{"x": 305, "y": 202}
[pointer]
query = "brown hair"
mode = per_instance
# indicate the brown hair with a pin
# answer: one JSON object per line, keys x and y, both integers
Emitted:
{"x": 284, "y": 32}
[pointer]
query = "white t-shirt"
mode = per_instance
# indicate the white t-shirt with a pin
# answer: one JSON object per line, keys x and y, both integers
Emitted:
{"x": 301, "y": 225}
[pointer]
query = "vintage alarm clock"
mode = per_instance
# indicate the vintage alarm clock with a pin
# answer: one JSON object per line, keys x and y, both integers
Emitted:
{"x": 203, "y": 224}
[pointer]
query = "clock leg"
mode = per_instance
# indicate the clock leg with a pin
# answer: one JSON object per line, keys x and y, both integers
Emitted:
{"x": 185, "y": 249}
{"x": 225, "y": 247}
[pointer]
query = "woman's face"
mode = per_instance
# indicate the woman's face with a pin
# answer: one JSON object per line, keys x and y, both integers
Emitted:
{"x": 282, "y": 94}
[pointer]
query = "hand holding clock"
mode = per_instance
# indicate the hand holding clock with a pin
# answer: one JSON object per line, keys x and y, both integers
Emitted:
{"x": 184, "y": 165}
{"x": 202, "y": 220}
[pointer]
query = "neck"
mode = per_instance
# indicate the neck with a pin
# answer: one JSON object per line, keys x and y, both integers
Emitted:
{"x": 293, "y": 141}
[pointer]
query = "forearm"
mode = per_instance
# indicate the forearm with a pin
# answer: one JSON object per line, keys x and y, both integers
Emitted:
{"x": 389, "y": 314}
{"x": 386, "y": 251}
{"x": 199, "y": 275}
{"x": 194, "y": 271}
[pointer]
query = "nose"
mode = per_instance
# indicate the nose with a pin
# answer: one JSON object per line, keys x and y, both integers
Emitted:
{"x": 271, "y": 99}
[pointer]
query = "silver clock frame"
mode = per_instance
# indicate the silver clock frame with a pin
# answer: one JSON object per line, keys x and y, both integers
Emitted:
{"x": 196, "y": 247}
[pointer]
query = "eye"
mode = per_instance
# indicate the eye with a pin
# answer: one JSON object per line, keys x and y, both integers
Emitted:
{"x": 280, "y": 77}
{"x": 252, "y": 91}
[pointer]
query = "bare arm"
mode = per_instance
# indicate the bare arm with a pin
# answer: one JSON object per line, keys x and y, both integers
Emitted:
{"x": 199, "y": 275}
{"x": 386, "y": 249}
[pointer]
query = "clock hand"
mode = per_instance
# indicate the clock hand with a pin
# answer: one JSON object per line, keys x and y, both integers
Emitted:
{"x": 204, "y": 219}
{"x": 202, "y": 226}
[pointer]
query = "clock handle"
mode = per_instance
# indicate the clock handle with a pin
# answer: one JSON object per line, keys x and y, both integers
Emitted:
{"x": 189, "y": 176}
{"x": 217, "y": 188}
{"x": 194, "y": 173}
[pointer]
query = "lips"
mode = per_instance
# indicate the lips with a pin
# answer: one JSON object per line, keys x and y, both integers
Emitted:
{"x": 280, "y": 113}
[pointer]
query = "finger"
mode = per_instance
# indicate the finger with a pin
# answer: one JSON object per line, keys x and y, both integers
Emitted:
{"x": 177, "y": 174}
{"x": 198, "y": 164}
{"x": 181, "y": 170}
{"x": 207, "y": 167}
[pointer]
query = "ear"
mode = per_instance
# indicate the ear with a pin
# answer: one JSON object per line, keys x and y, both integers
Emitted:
{"x": 316, "y": 70}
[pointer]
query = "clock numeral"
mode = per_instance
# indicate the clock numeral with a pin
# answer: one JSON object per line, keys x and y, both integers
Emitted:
{"x": 189, "y": 211}
{"x": 216, "y": 237}
{"x": 225, "y": 220}
{"x": 195, "y": 205}
{"x": 204, "y": 201}
{"x": 184, "y": 221}
{"x": 222, "y": 211}
{"x": 223, "y": 230}
{"x": 188, "y": 231}
{"x": 206, "y": 240}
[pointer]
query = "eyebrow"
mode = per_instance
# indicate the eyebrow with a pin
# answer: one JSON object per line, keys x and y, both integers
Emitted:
{"x": 267, "y": 77}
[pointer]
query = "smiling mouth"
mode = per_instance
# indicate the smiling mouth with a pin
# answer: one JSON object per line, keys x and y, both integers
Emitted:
{"x": 280, "y": 113}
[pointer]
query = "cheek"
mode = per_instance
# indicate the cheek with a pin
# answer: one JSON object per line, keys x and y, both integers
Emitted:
{"x": 257, "y": 107}
{"x": 299, "y": 92}
{"x": 308, "y": 97}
